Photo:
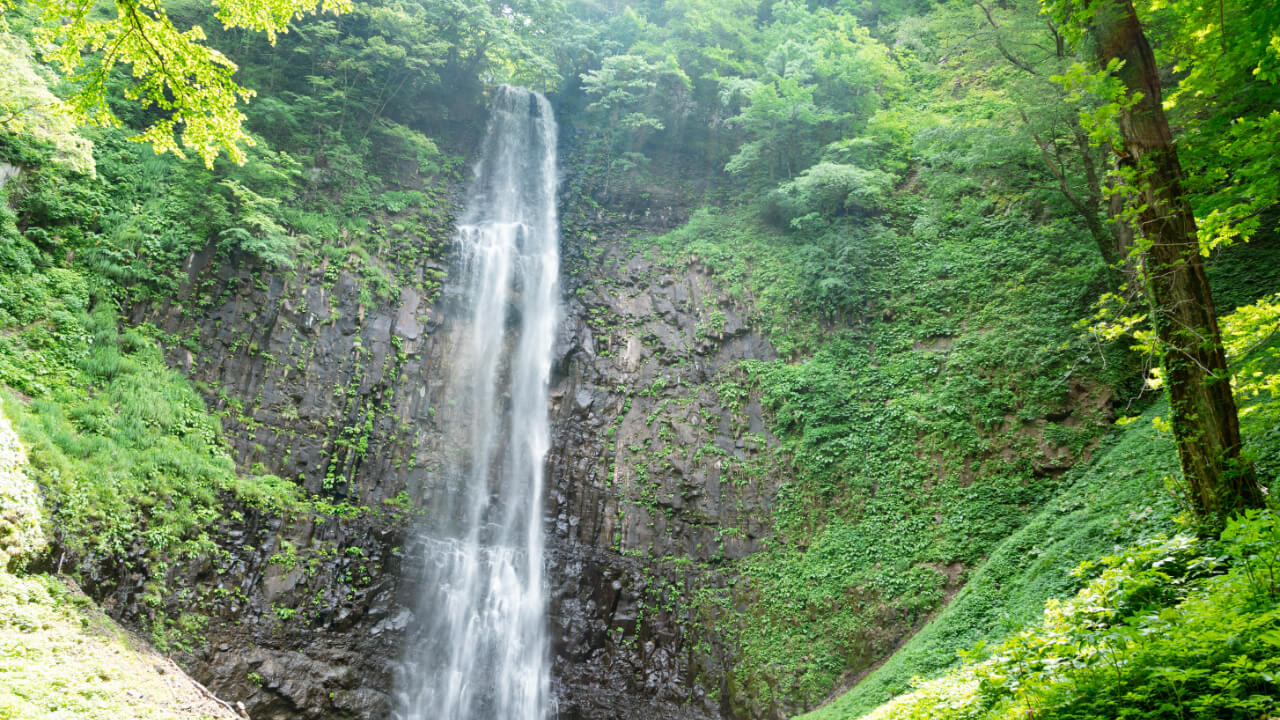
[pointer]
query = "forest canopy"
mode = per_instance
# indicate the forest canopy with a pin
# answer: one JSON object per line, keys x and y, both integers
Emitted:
{"x": 1007, "y": 271}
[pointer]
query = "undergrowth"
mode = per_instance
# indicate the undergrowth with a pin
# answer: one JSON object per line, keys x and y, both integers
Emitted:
{"x": 930, "y": 416}
{"x": 133, "y": 469}
{"x": 931, "y": 391}
{"x": 1159, "y": 630}
{"x": 1125, "y": 498}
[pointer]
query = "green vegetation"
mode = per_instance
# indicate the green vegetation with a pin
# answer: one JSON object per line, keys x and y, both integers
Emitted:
{"x": 1161, "y": 631}
{"x": 927, "y": 209}
{"x": 174, "y": 74}
{"x": 920, "y": 261}
{"x": 919, "y": 323}
{"x": 59, "y": 656}
{"x": 1119, "y": 500}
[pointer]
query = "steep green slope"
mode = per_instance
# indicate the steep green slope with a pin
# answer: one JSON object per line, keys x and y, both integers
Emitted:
{"x": 928, "y": 407}
{"x": 59, "y": 656}
{"x": 131, "y": 464}
{"x": 1117, "y": 499}
{"x": 929, "y": 415}
{"x": 1168, "y": 628}
{"x": 1123, "y": 498}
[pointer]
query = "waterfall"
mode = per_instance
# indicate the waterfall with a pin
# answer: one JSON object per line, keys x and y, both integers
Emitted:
{"x": 480, "y": 649}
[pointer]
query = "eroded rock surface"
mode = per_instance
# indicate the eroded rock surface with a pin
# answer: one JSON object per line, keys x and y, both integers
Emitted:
{"x": 658, "y": 474}
{"x": 657, "y": 477}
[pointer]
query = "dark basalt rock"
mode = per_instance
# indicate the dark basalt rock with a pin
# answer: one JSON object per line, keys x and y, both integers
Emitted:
{"x": 307, "y": 614}
{"x": 635, "y": 362}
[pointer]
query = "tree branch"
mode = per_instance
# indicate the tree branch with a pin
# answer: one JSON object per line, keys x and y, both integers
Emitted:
{"x": 1021, "y": 65}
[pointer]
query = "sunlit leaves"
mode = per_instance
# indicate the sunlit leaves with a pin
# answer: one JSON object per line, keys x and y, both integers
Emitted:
{"x": 1251, "y": 336}
{"x": 1227, "y": 56}
{"x": 273, "y": 16}
{"x": 1160, "y": 632}
{"x": 1222, "y": 107}
{"x": 186, "y": 86}
{"x": 1108, "y": 100}
{"x": 28, "y": 108}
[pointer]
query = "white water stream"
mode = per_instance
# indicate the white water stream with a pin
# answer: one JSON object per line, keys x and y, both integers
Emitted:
{"x": 481, "y": 652}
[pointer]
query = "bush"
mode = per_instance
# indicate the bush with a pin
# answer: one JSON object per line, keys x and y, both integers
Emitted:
{"x": 828, "y": 190}
{"x": 1160, "y": 631}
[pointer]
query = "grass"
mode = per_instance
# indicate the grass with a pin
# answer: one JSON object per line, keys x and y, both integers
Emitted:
{"x": 60, "y": 657}
{"x": 1123, "y": 498}
{"x": 1117, "y": 499}
{"x": 1171, "y": 627}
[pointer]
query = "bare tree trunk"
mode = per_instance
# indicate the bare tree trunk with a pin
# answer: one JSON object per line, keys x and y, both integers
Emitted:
{"x": 1205, "y": 423}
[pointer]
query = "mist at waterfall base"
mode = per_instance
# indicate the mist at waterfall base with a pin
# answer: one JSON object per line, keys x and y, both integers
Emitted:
{"x": 479, "y": 649}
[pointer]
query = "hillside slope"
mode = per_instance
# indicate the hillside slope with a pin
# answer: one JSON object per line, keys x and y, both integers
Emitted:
{"x": 1123, "y": 498}
{"x": 61, "y": 657}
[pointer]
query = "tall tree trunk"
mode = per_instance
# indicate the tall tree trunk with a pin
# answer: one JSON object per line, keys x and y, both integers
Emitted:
{"x": 1205, "y": 423}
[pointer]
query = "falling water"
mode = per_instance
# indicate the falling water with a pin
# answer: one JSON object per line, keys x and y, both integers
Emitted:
{"x": 480, "y": 651}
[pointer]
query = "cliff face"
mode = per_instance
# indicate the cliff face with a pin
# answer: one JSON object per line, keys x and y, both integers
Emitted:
{"x": 650, "y": 484}
{"x": 650, "y": 468}
{"x": 307, "y": 611}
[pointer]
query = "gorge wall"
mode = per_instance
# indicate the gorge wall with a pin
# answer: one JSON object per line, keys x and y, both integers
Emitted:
{"x": 662, "y": 470}
{"x": 317, "y": 384}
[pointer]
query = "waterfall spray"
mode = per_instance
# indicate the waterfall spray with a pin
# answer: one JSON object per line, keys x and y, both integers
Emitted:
{"x": 480, "y": 650}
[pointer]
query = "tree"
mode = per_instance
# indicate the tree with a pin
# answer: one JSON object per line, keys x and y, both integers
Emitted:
{"x": 1204, "y": 418}
{"x": 1034, "y": 49}
{"x": 1224, "y": 109}
{"x": 823, "y": 80}
{"x": 626, "y": 92}
{"x": 186, "y": 83}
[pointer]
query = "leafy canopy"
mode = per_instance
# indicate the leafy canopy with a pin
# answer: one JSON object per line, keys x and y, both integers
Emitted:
{"x": 186, "y": 85}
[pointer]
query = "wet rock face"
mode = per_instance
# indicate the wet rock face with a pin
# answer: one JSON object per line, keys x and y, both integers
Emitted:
{"x": 322, "y": 384}
{"x": 316, "y": 639}
{"x": 658, "y": 475}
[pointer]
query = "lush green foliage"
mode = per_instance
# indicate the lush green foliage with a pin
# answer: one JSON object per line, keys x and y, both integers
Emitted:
{"x": 1117, "y": 499}
{"x": 174, "y": 72}
{"x": 902, "y": 203}
{"x": 1121, "y": 498}
{"x": 1226, "y": 57}
{"x": 938, "y": 311}
{"x": 1157, "y": 633}
{"x": 131, "y": 465}
{"x": 921, "y": 326}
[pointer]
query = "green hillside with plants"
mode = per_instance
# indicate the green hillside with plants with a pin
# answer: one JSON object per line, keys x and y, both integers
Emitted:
{"x": 1101, "y": 547}
{"x": 1017, "y": 266}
